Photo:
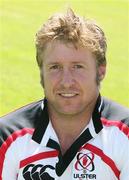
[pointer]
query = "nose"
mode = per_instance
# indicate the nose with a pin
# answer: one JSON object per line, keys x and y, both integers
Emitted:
{"x": 67, "y": 79}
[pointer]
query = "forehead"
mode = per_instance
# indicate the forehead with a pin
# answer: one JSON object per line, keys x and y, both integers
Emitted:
{"x": 58, "y": 51}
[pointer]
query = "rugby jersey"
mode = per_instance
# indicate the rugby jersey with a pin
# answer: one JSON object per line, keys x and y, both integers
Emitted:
{"x": 30, "y": 149}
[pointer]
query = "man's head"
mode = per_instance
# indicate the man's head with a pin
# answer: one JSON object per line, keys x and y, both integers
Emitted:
{"x": 71, "y": 57}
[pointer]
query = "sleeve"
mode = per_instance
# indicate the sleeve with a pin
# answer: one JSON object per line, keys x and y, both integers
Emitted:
{"x": 8, "y": 162}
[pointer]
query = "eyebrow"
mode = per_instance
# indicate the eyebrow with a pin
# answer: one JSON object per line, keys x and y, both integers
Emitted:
{"x": 78, "y": 62}
{"x": 73, "y": 62}
{"x": 52, "y": 63}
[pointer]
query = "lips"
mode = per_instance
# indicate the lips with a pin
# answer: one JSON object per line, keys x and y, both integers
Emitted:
{"x": 68, "y": 95}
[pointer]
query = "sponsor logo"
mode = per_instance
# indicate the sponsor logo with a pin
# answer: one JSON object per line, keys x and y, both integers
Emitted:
{"x": 38, "y": 172}
{"x": 84, "y": 166}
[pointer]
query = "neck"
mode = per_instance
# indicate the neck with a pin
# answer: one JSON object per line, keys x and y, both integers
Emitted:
{"x": 69, "y": 127}
{"x": 68, "y": 130}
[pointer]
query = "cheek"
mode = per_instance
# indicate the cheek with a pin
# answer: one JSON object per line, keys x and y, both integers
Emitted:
{"x": 50, "y": 82}
{"x": 45, "y": 78}
{"x": 90, "y": 84}
{"x": 86, "y": 78}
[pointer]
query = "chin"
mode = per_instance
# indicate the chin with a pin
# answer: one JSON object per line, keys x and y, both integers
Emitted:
{"x": 69, "y": 111}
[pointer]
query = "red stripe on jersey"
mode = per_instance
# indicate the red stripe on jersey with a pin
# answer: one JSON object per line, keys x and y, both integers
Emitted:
{"x": 6, "y": 144}
{"x": 39, "y": 156}
{"x": 104, "y": 157}
{"x": 123, "y": 127}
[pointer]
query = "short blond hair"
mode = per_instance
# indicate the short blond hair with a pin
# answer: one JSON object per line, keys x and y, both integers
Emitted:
{"x": 70, "y": 28}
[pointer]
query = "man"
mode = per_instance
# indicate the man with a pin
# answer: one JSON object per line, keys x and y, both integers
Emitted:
{"x": 73, "y": 133}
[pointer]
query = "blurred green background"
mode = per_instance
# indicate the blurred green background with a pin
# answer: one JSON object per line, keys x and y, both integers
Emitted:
{"x": 20, "y": 20}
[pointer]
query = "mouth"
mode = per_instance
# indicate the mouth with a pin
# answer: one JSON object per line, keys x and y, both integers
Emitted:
{"x": 68, "y": 95}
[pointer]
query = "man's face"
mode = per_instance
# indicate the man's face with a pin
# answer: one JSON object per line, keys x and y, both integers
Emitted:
{"x": 69, "y": 78}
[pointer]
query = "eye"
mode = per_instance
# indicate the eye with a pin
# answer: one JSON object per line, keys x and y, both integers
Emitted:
{"x": 55, "y": 66}
{"x": 78, "y": 66}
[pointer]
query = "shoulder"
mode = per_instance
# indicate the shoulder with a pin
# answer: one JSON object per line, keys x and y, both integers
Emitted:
{"x": 115, "y": 115}
{"x": 24, "y": 117}
{"x": 114, "y": 111}
{"x": 23, "y": 114}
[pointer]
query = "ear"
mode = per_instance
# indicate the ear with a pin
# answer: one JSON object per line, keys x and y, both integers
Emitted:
{"x": 101, "y": 72}
{"x": 41, "y": 78}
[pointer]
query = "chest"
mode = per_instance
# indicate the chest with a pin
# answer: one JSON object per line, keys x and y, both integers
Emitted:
{"x": 90, "y": 162}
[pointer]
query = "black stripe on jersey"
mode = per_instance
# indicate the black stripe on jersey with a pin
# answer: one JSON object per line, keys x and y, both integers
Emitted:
{"x": 97, "y": 115}
{"x": 53, "y": 144}
{"x": 42, "y": 124}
